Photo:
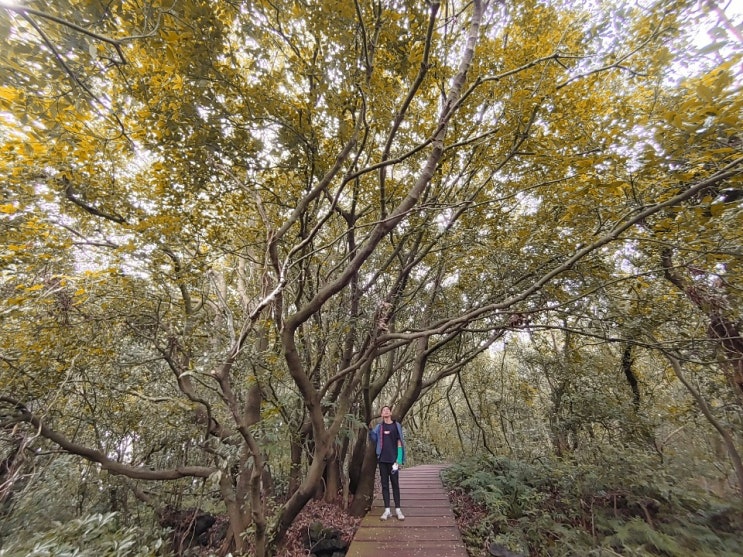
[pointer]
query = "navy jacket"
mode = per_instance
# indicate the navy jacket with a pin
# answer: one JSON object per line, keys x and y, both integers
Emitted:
{"x": 376, "y": 438}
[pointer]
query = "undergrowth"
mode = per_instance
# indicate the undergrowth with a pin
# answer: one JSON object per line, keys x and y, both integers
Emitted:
{"x": 564, "y": 508}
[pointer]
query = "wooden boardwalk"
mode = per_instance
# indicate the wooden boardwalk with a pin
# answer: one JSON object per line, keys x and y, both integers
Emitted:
{"x": 429, "y": 528}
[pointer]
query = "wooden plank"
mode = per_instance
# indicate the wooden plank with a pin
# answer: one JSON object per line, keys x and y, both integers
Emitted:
{"x": 429, "y": 528}
{"x": 406, "y": 549}
{"x": 372, "y": 521}
{"x": 450, "y": 534}
{"x": 416, "y": 511}
{"x": 414, "y": 503}
{"x": 432, "y": 498}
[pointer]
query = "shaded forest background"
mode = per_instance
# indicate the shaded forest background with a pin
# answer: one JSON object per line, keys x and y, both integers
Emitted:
{"x": 232, "y": 231}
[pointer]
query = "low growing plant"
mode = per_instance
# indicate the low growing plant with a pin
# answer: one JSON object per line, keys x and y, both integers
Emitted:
{"x": 96, "y": 535}
{"x": 622, "y": 505}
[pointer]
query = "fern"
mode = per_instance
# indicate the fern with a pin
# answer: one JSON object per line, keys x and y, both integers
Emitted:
{"x": 97, "y": 535}
{"x": 571, "y": 508}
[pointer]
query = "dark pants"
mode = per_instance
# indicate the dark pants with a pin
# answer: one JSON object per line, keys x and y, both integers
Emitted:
{"x": 385, "y": 475}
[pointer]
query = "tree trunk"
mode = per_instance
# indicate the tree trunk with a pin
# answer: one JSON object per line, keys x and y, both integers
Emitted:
{"x": 267, "y": 482}
{"x": 299, "y": 498}
{"x": 727, "y": 438}
{"x": 238, "y": 522}
{"x": 560, "y": 443}
{"x": 727, "y": 334}
{"x": 722, "y": 330}
{"x": 364, "y": 494}
{"x": 629, "y": 374}
{"x": 332, "y": 478}
{"x": 242, "y": 475}
{"x": 356, "y": 461}
{"x": 257, "y": 508}
{"x": 295, "y": 469}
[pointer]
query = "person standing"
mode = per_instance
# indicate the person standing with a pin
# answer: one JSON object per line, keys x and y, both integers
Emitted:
{"x": 390, "y": 448}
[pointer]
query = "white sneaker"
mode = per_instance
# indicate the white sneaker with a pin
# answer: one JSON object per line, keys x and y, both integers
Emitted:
{"x": 385, "y": 515}
{"x": 400, "y": 516}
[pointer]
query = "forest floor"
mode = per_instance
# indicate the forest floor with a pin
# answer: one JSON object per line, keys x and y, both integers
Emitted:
{"x": 333, "y": 516}
{"x": 538, "y": 506}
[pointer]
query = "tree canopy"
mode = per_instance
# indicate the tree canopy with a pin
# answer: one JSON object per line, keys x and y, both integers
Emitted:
{"x": 232, "y": 230}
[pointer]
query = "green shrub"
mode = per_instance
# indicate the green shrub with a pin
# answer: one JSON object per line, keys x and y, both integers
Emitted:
{"x": 619, "y": 502}
{"x": 96, "y": 535}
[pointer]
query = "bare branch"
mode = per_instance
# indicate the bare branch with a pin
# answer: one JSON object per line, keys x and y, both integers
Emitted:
{"x": 25, "y": 11}
{"x": 70, "y": 195}
{"x": 134, "y": 472}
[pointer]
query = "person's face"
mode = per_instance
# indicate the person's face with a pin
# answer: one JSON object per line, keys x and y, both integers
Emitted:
{"x": 386, "y": 412}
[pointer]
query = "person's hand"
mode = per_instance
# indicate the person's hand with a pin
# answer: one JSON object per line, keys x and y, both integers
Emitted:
{"x": 395, "y": 467}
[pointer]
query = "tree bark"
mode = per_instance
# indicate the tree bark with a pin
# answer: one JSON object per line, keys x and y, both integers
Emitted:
{"x": 629, "y": 374}
{"x": 722, "y": 330}
{"x": 238, "y": 521}
{"x": 300, "y": 497}
{"x": 332, "y": 478}
{"x": 133, "y": 472}
{"x": 295, "y": 469}
{"x": 364, "y": 494}
{"x": 356, "y": 461}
